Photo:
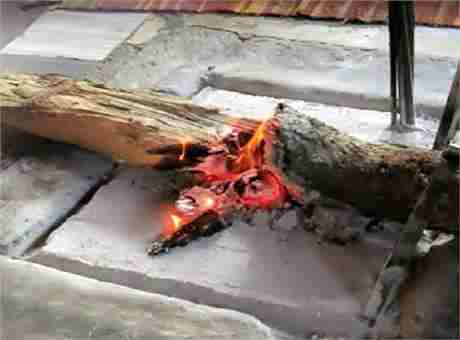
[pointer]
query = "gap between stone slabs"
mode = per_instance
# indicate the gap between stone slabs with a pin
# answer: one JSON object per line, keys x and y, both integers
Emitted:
{"x": 38, "y": 191}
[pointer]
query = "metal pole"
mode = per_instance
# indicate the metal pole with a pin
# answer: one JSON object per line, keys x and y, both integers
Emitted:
{"x": 401, "y": 29}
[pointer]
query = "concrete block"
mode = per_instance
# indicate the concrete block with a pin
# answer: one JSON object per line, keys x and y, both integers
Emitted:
{"x": 39, "y": 190}
{"x": 283, "y": 277}
{"x": 43, "y": 303}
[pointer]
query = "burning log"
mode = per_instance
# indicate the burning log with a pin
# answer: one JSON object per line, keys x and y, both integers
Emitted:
{"x": 291, "y": 155}
{"x": 241, "y": 165}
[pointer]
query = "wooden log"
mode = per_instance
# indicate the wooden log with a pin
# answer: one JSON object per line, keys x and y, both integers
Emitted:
{"x": 380, "y": 180}
{"x": 146, "y": 128}
{"x": 143, "y": 128}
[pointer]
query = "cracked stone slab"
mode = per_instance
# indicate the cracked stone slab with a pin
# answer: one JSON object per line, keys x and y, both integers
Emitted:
{"x": 436, "y": 42}
{"x": 74, "y": 34}
{"x": 284, "y": 277}
{"x": 43, "y": 303}
{"x": 41, "y": 188}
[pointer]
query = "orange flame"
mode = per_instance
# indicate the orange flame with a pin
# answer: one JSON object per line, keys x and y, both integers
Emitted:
{"x": 184, "y": 142}
{"x": 176, "y": 222}
{"x": 173, "y": 225}
{"x": 251, "y": 154}
{"x": 261, "y": 184}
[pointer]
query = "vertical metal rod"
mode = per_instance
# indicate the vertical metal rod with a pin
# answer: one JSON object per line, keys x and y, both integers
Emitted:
{"x": 401, "y": 29}
{"x": 393, "y": 63}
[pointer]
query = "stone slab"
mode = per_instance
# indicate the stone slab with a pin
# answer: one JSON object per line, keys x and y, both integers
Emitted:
{"x": 351, "y": 81}
{"x": 432, "y": 41}
{"x": 368, "y": 125}
{"x": 42, "y": 303}
{"x": 15, "y": 20}
{"x": 184, "y": 53}
{"x": 73, "y": 34}
{"x": 283, "y": 277}
{"x": 78, "y": 69}
{"x": 41, "y": 188}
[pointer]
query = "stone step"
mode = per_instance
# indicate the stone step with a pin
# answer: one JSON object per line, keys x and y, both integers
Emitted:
{"x": 42, "y": 303}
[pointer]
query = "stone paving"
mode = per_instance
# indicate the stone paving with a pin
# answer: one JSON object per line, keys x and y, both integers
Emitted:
{"x": 344, "y": 65}
{"x": 299, "y": 59}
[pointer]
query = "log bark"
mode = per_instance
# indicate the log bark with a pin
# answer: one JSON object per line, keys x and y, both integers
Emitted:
{"x": 380, "y": 180}
{"x": 146, "y": 128}
{"x": 143, "y": 128}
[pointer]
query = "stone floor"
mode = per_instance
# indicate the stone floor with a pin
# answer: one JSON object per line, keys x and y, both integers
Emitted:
{"x": 284, "y": 277}
{"x": 101, "y": 217}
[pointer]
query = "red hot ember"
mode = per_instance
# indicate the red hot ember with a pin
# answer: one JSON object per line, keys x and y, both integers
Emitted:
{"x": 235, "y": 177}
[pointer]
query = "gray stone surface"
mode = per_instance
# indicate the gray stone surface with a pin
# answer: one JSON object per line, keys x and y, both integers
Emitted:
{"x": 317, "y": 61}
{"x": 15, "y": 20}
{"x": 41, "y": 188}
{"x": 359, "y": 80}
{"x": 283, "y": 277}
{"x": 174, "y": 48}
{"x": 42, "y": 303}
{"x": 74, "y": 34}
{"x": 430, "y": 41}
{"x": 42, "y": 65}
{"x": 334, "y": 66}
{"x": 368, "y": 125}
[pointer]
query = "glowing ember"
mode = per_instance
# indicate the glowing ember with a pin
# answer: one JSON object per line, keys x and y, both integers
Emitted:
{"x": 235, "y": 177}
{"x": 208, "y": 203}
